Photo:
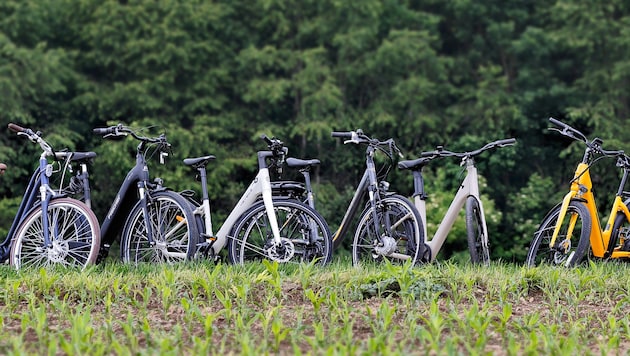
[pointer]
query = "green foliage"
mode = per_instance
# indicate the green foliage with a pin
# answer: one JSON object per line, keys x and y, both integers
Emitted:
{"x": 215, "y": 75}
{"x": 527, "y": 210}
{"x": 207, "y": 308}
{"x": 441, "y": 186}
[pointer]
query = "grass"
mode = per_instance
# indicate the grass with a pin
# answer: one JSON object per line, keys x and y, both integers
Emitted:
{"x": 266, "y": 308}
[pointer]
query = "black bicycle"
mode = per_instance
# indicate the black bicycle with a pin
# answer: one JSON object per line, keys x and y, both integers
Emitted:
{"x": 153, "y": 219}
{"x": 389, "y": 227}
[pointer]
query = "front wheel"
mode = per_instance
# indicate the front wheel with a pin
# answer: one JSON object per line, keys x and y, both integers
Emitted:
{"x": 74, "y": 234}
{"x": 477, "y": 233}
{"x": 572, "y": 242}
{"x": 173, "y": 228}
{"x": 304, "y": 235}
{"x": 397, "y": 235}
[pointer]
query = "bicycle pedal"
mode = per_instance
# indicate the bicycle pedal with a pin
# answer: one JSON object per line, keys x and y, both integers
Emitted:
{"x": 102, "y": 253}
{"x": 209, "y": 238}
{"x": 205, "y": 248}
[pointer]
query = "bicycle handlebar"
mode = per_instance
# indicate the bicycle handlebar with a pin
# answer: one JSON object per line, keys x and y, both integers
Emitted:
{"x": 120, "y": 130}
{"x": 16, "y": 128}
{"x": 104, "y": 131}
{"x": 163, "y": 146}
{"x": 441, "y": 152}
{"x": 358, "y": 137}
{"x": 595, "y": 144}
{"x": 33, "y": 137}
{"x": 278, "y": 151}
{"x": 339, "y": 134}
{"x": 568, "y": 130}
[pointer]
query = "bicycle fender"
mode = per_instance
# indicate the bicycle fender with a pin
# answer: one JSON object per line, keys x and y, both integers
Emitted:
{"x": 625, "y": 210}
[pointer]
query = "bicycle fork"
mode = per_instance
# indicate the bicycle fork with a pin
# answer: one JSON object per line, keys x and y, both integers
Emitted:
{"x": 44, "y": 193}
{"x": 145, "y": 211}
{"x": 565, "y": 244}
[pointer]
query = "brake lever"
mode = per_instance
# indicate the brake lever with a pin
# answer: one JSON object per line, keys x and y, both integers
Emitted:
{"x": 116, "y": 133}
{"x": 393, "y": 147}
{"x": 163, "y": 155}
{"x": 354, "y": 137}
{"x": 29, "y": 137}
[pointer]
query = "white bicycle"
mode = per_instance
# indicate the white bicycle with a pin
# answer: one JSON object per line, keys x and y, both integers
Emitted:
{"x": 263, "y": 225}
{"x": 468, "y": 195}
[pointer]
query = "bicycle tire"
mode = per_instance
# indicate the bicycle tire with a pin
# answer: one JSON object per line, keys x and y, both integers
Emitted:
{"x": 620, "y": 231}
{"x": 540, "y": 252}
{"x": 175, "y": 239}
{"x": 406, "y": 241}
{"x": 478, "y": 243}
{"x": 74, "y": 231}
{"x": 251, "y": 237}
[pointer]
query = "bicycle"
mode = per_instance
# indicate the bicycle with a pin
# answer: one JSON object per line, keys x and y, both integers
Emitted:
{"x": 467, "y": 195}
{"x": 389, "y": 226}
{"x": 572, "y": 226}
{"x": 146, "y": 214}
{"x": 50, "y": 228}
{"x": 263, "y": 225}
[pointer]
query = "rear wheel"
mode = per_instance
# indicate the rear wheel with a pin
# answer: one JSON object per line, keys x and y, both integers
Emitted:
{"x": 399, "y": 236}
{"x": 74, "y": 234}
{"x": 304, "y": 235}
{"x": 573, "y": 239}
{"x": 477, "y": 233}
{"x": 173, "y": 227}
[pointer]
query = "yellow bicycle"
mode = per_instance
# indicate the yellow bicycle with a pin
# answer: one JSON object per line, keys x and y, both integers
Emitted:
{"x": 568, "y": 229}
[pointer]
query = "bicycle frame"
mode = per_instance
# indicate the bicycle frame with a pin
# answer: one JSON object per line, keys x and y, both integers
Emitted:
{"x": 581, "y": 190}
{"x": 469, "y": 187}
{"x": 125, "y": 199}
{"x": 260, "y": 186}
{"x": 354, "y": 206}
{"x": 369, "y": 183}
{"x": 82, "y": 176}
{"x": 38, "y": 184}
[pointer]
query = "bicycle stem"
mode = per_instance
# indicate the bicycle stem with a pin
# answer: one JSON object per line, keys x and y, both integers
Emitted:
{"x": 44, "y": 197}
{"x": 373, "y": 191}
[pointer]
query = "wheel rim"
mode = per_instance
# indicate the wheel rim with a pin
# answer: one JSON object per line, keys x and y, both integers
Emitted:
{"x": 564, "y": 245}
{"x": 71, "y": 235}
{"x": 254, "y": 239}
{"x": 366, "y": 248}
{"x": 170, "y": 232}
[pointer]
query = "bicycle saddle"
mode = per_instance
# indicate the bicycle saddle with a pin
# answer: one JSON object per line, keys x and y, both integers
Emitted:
{"x": 198, "y": 162}
{"x": 285, "y": 186}
{"x": 75, "y": 156}
{"x": 414, "y": 164}
{"x": 296, "y": 162}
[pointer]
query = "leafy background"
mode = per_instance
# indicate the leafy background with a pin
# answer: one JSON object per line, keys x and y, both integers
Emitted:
{"x": 214, "y": 75}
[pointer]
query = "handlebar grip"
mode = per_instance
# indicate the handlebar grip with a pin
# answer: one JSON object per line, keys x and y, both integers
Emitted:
{"x": 103, "y": 131}
{"x": 613, "y": 152}
{"x": 506, "y": 142}
{"x": 16, "y": 128}
{"x": 266, "y": 139}
{"x": 341, "y": 134}
{"x": 557, "y": 122}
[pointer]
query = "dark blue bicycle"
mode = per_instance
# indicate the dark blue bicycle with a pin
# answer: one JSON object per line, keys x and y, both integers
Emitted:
{"x": 50, "y": 228}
